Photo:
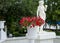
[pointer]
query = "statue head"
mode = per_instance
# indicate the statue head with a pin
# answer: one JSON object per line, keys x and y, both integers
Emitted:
{"x": 41, "y": 2}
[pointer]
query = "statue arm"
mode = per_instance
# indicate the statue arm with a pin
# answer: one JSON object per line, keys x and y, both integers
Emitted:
{"x": 45, "y": 8}
{"x": 38, "y": 12}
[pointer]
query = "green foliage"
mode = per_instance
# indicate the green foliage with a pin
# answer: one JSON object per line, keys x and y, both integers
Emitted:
{"x": 53, "y": 11}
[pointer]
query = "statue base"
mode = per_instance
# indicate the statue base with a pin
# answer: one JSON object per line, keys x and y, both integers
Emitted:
{"x": 43, "y": 37}
{"x": 46, "y": 35}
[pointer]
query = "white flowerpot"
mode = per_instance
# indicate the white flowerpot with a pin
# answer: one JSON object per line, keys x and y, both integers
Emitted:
{"x": 2, "y": 24}
{"x": 32, "y": 33}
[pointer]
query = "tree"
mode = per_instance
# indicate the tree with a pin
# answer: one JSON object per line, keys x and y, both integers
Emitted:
{"x": 53, "y": 10}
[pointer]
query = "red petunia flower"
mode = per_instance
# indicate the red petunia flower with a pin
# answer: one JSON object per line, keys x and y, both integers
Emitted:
{"x": 31, "y": 21}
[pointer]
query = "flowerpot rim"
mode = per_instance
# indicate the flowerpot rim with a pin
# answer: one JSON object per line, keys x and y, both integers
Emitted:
{"x": 2, "y": 21}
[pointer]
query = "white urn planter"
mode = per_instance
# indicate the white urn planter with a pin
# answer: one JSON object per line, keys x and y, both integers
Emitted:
{"x": 2, "y": 24}
{"x": 32, "y": 32}
{"x": 3, "y": 35}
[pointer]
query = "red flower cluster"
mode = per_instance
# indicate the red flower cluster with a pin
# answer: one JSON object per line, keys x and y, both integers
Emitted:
{"x": 31, "y": 21}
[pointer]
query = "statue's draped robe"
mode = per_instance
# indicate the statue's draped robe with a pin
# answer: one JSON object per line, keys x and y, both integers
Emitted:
{"x": 41, "y": 12}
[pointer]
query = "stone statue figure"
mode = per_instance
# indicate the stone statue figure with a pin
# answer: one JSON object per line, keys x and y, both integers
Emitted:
{"x": 41, "y": 12}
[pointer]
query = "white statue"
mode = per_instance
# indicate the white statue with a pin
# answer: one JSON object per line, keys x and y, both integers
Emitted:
{"x": 41, "y": 12}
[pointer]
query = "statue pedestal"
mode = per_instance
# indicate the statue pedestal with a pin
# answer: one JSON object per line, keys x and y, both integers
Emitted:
{"x": 46, "y": 35}
{"x": 43, "y": 37}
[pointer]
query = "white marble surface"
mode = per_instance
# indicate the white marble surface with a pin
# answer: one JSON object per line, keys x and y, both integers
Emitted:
{"x": 46, "y": 35}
